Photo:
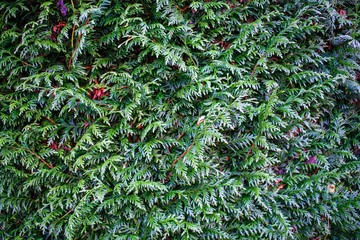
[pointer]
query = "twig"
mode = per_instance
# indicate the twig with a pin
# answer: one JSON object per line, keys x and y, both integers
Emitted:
{"x": 178, "y": 138}
{"x": 65, "y": 214}
{"x": 328, "y": 228}
{"x": 72, "y": 56}
{"x": 79, "y": 203}
{"x": 35, "y": 156}
{"x": 249, "y": 151}
{"x": 181, "y": 9}
{"x": 72, "y": 36}
{"x": 50, "y": 120}
{"x": 249, "y": 130}
{"x": 73, "y": 30}
{"x": 172, "y": 165}
{"x": 45, "y": 117}
{"x": 28, "y": 64}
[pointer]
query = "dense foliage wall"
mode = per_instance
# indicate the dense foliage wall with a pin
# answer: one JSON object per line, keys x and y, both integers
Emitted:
{"x": 179, "y": 120}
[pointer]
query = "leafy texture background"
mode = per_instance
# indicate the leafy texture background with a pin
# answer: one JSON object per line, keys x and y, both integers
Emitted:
{"x": 179, "y": 120}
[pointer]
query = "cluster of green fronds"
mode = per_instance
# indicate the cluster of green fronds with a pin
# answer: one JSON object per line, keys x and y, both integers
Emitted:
{"x": 179, "y": 119}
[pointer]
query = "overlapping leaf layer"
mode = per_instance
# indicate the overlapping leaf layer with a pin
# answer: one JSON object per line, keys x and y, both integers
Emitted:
{"x": 179, "y": 120}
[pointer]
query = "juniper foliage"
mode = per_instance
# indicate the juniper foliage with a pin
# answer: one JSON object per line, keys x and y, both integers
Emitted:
{"x": 179, "y": 120}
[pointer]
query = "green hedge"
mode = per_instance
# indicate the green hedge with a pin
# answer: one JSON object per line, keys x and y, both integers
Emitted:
{"x": 179, "y": 120}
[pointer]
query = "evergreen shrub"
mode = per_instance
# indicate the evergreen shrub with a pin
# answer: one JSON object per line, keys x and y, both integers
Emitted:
{"x": 179, "y": 119}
